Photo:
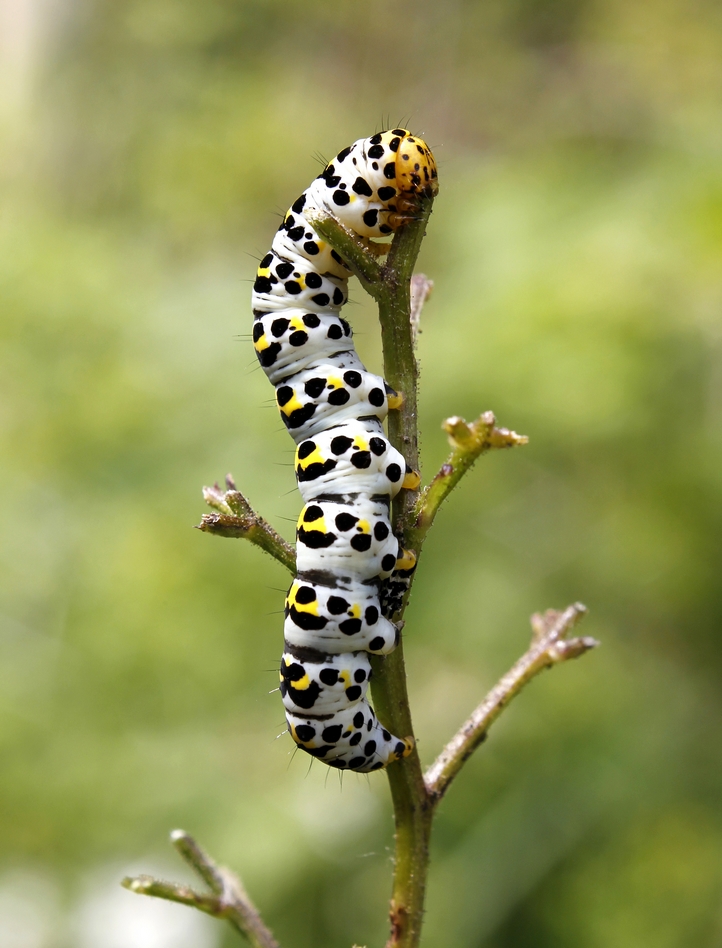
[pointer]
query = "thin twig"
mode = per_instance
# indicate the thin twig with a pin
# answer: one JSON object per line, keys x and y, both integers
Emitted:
{"x": 468, "y": 441}
{"x": 229, "y": 901}
{"x": 199, "y": 860}
{"x": 237, "y": 519}
{"x": 175, "y": 892}
{"x": 549, "y": 646}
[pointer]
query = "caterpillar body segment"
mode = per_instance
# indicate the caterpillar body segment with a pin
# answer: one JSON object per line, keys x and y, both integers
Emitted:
{"x": 357, "y": 453}
{"x": 332, "y": 533}
{"x": 328, "y": 393}
{"x": 335, "y": 615}
{"x": 351, "y": 572}
{"x": 352, "y": 739}
{"x": 288, "y": 342}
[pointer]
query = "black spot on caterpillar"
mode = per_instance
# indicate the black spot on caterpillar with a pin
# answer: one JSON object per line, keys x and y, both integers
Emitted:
{"x": 351, "y": 574}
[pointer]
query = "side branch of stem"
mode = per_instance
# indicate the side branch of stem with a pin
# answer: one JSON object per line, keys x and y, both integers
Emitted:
{"x": 234, "y": 517}
{"x": 468, "y": 440}
{"x": 549, "y": 646}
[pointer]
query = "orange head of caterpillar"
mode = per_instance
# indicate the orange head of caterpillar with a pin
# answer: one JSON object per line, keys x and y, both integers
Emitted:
{"x": 416, "y": 172}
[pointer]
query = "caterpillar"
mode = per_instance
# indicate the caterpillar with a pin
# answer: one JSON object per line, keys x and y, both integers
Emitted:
{"x": 349, "y": 566}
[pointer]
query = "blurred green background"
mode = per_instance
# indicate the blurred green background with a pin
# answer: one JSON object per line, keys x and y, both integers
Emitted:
{"x": 148, "y": 147}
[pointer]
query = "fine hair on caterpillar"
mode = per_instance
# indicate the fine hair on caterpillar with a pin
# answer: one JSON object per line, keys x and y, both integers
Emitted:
{"x": 350, "y": 569}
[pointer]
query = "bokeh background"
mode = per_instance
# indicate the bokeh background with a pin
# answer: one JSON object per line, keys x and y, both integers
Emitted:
{"x": 147, "y": 148}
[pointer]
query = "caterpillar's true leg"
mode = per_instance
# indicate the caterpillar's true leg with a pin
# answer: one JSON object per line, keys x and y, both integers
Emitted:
{"x": 376, "y": 250}
{"x": 407, "y": 210}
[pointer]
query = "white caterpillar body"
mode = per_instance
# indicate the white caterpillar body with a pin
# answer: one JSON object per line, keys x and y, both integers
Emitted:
{"x": 347, "y": 471}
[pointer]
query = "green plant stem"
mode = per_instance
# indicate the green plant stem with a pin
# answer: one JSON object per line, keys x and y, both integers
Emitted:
{"x": 229, "y": 901}
{"x": 390, "y": 286}
{"x": 412, "y": 812}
